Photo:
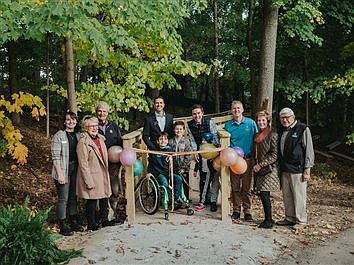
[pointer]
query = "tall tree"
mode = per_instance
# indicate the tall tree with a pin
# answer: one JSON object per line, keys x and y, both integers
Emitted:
{"x": 70, "y": 74}
{"x": 12, "y": 77}
{"x": 251, "y": 52}
{"x": 267, "y": 58}
{"x": 216, "y": 71}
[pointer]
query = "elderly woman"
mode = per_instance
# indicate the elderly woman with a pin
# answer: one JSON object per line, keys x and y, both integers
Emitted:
{"x": 93, "y": 178}
{"x": 265, "y": 165}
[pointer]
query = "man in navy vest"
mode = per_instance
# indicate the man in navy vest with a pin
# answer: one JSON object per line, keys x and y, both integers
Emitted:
{"x": 111, "y": 132}
{"x": 296, "y": 159}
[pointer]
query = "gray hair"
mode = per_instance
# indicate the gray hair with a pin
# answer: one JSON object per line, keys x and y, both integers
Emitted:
{"x": 102, "y": 105}
{"x": 88, "y": 119}
{"x": 288, "y": 111}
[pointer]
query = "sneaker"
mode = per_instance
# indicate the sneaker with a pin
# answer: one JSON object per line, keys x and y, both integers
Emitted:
{"x": 285, "y": 223}
{"x": 235, "y": 216}
{"x": 213, "y": 207}
{"x": 200, "y": 208}
{"x": 248, "y": 217}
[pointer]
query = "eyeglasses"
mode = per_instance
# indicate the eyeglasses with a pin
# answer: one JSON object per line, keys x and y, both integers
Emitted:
{"x": 92, "y": 126}
{"x": 286, "y": 117}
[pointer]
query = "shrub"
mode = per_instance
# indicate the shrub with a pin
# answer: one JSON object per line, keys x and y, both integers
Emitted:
{"x": 324, "y": 171}
{"x": 24, "y": 239}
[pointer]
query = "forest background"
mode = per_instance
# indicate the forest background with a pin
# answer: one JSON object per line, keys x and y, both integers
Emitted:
{"x": 66, "y": 55}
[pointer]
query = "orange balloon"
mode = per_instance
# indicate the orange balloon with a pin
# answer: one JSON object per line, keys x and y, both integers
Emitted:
{"x": 217, "y": 163}
{"x": 240, "y": 167}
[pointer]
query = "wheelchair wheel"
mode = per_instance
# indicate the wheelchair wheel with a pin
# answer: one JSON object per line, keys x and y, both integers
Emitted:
{"x": 149, "y": 195}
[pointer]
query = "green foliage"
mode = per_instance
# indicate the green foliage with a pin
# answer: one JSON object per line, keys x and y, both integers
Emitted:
{"x": 299, "y": 19}
{"x": 295, "y": 88}
{"x": 350, "y": 139}
{"x": 3, "y": 147}
{"x": 11, "y": 135}
{"x": 343, "y": 84}
{"x": 324, "y": 171}
{"x": 24, "y": 239}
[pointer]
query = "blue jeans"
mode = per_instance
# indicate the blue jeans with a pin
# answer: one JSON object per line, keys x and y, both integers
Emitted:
{"x": 178, "y": 181}
{"x": 67, "y": 194}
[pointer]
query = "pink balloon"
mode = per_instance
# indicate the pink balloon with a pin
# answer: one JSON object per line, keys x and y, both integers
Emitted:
{"x": 228, "y": 156}
{"x": 217, "y": 163}
{"x": 127, "y": 157}
{"x": 114, "y": 153}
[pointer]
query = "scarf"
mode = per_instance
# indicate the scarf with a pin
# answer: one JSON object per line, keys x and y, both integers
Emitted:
{"x": 262, "y": 135}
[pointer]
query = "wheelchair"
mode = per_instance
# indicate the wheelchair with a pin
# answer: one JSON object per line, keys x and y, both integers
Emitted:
{"x": 151, "y": 196}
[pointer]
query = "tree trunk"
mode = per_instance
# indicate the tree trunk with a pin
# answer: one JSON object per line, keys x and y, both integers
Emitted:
{"x": 251, "y": 57}
{"x": 70, "y": 75}
{"x": 306, "y": 78}
{"x": 47, "y": 77}
{"x": 216, "y": 46}
{"x": 15, "y": 117}
{"x": 267, "y": 58}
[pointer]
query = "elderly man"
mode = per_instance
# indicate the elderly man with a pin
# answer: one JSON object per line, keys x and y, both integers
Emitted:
{"x": 296, "y": 160}
{"x": 111, "y": 132}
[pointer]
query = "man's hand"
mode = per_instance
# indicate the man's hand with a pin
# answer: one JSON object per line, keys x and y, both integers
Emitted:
{"x": 306, "y": 175}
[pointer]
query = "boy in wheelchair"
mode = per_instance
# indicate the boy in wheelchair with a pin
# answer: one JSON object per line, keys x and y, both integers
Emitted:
{"x": 159, "y": 168}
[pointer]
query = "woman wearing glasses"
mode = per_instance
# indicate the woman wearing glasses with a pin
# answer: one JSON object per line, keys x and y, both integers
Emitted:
{"x": 93, "y": 182}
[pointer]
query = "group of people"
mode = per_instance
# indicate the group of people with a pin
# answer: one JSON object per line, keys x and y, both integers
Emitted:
{"x": 161, "y": 134}
{"x": 273, "y": 161}
{"x": 81, "y": 168}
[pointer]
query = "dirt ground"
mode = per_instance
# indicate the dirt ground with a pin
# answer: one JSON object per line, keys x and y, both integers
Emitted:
{"x": 204, "y": 239}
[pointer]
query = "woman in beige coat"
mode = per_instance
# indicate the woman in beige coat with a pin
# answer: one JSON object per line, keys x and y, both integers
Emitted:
{"x": 93, "y": 178}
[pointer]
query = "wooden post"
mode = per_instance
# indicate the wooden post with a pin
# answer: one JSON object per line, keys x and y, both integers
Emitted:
{"x": 225, "y": 179}
{"x": 129, "y": 181}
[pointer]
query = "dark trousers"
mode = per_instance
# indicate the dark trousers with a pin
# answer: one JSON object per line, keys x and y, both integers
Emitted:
{"x": 91, "y": 210}
{"x": 267, "y": 205}
{"x": 204, "y": 184}
{"x": 67, "y": 194}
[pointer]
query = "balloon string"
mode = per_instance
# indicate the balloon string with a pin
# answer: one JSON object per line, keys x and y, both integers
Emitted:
{"x": 217, "y": 149}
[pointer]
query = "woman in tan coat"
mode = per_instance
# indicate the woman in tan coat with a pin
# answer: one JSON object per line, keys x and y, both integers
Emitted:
{"x": 93, "y": 178}
{"x": 265, "y": 157}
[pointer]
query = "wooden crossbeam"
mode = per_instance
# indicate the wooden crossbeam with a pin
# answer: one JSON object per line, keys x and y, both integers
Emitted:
{"x": 342, "y": 156}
